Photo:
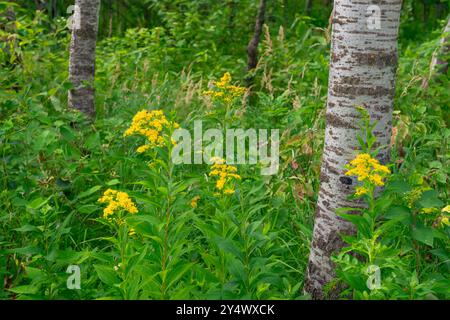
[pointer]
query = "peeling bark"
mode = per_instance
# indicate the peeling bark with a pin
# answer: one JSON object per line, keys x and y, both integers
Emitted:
{"x": 82, "y": 56}
{"x": 362, "y": 73}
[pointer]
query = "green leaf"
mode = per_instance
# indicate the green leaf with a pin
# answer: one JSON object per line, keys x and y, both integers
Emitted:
{"x": 88, "y": 192}
{"x": 25, "y": 250}
{"x": 398, "y": 213}
{"x": 37, "y": 203}
{"x": 398, "y": 187}
{"x": 435, "y": 165}
{"x": 423, "y": 234}
{"x": 360, "y": 221}
{"x": 144, "y": 224}
{"x": 93, "y": 141}
{"x": 27, "y": 228}
{"x": 177, "y": 273}
{"x": 430, "y": 199}
{"x": 442, "y": 254}
{"x": 26, "y": 289}
{"x": 106, "y": 274}
{"x": 56, "y": 103}
{"x": 113, "y": 182}
{"x": 228, "y": 246}
{"x": 87, "y": 208}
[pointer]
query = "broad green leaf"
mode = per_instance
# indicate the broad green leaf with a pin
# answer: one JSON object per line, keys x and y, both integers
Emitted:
{"x": 107, "y": 274}
{"x": 25, "y": 289}
{"x": 398, "y": 213}
{"x": 88, "y": 192}
{"x": 423, "y": 234}
{"x": 430, "y": 199}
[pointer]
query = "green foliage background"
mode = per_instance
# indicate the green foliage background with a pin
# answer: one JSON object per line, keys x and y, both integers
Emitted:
{"x": 55, "y": 164}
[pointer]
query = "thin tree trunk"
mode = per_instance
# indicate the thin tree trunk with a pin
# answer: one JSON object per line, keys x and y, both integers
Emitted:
{"x": 285, "y": 12}
{"x": 40, "y": 5}
{"x": 82, "y": 56}
{"x": 439, "y": 62}
{"x": 252, "y": 48}
{"x": 440, "y": 9}
{"x": 308, "y": 7}
{"x": 426, "y": 10}
{"x": 362, "y": 73}
{"x": 54, "y": 9}
{"x": 111, "y": 13}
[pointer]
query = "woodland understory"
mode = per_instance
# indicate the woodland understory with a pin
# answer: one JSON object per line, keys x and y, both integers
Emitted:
{"x": 358, "y": 209}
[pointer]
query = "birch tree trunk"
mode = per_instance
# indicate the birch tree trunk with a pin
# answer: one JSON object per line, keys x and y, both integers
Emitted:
{"x": 362, "y": 73}
{"x": 82, "y": 55}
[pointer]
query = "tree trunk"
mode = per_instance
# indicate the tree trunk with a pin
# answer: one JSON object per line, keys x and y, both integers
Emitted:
{"x": 82, "y": 56}
{"x": 40, "y": 5}
{"x": 111, "y": 13}
{"x": 426, "y": 10}
{"x": 252, "y": 49}
{"x": 362, "y": 73}
{"x": 439, "y": 62}
{"x": 308, "y": 7}
{"x": 54, "y": 9}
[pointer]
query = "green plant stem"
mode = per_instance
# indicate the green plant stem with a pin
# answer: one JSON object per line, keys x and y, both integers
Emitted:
{"x": 166, "y": 227}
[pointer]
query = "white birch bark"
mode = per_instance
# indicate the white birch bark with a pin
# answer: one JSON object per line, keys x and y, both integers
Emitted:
{"x": 82, "y": 55}
{"x": 362, "y": 73}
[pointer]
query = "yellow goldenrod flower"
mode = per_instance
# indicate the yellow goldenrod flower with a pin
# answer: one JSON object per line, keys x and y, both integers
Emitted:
{"x": 152, "y": 125}
{"x": 445, "y": 221}
{"x": 367, "y": 170}
{"x": 225, "y": 174}
{"x": 361, "y": 191}
{"x": 194, "y": 201}
{"x": 229, "y": 191}
{"x": 224, "y": 91}
{"x": 376, "y": 179}
{"x": 143, "y": 148}
{"x": 444, "y": 218}
{"x": 220, "y": 183}
{"x": 427, "y": 210}
{"x": 117, "y": 200}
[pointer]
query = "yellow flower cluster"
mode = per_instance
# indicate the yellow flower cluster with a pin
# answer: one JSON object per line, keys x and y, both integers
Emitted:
{"x": 225, "y": 174}
{"x": 445, "y": 218}
{"x": 225, "y": 91}
{"x": 360, "y": 191}
{"x": 151, "y": 125}
{"x": 117, "y": 200}
{"x": 428, "y": 210}
{"x": 367, "y": 169}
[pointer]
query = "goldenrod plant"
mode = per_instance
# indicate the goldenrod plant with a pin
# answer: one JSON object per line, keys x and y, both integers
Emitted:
{"x": 398, "y": 233}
